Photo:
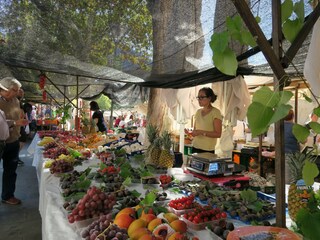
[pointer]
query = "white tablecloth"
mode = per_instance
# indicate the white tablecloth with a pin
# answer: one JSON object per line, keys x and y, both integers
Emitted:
{"x": 55, "y": 225}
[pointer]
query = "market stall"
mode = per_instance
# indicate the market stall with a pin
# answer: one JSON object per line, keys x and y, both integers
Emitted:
{"x": 56, "y": 218}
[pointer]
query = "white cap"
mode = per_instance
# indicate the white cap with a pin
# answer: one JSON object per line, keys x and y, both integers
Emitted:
{"x": 3, "y": 87}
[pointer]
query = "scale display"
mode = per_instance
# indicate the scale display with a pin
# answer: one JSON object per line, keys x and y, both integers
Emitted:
{"x": 213, "y": 167}
{"x": 197, "y": 165}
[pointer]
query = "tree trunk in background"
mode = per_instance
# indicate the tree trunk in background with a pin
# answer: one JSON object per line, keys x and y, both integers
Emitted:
{"x": 171, "y": 19}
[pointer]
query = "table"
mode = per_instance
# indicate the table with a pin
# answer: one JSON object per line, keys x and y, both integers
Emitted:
{"x": 55, "y": 225}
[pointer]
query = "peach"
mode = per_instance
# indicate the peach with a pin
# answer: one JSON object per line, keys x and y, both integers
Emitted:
{"x": 170, "y": 216}
{"x": 127, "y": 210}
{"x": 177, "y": 236}
{"x": 179, "y": 226}
{"x": 154, "y": 223}
{"x": 148, "y": 237}
{"x": 148, "y": 217}
{"x": 138, "y": 223}
{"x": 139, "y": 232}
{"x": 124, "y": 220}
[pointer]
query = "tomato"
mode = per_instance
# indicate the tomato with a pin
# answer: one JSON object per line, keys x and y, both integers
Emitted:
{"x": 223, "y": 215}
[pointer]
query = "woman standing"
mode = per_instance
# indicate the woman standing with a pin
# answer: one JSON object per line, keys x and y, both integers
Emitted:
{"x": 208, "y": 123}
{"x": 97, "y": 116}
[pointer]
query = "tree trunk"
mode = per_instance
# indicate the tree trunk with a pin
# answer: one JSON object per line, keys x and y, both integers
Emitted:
{"x": 176, "y": 27}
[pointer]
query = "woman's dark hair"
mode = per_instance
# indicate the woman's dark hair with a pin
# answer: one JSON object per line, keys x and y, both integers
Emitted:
{"x": 209, "y": 93}
{"x": 289, "y": 116}
{"x": 94, "y": 106}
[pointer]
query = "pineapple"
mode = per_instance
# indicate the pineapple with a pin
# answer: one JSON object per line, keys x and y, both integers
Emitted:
{"x": 299, "y": 194}
{"x": 152, "y": 133}
{"x": 166, "y": 158}
{"x": 155, "y": 152}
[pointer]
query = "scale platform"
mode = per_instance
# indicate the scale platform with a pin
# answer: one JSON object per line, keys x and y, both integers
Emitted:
{"x": 210, "y": 164}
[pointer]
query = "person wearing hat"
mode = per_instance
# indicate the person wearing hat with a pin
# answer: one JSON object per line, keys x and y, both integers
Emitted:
{"x": 10, "y": 105}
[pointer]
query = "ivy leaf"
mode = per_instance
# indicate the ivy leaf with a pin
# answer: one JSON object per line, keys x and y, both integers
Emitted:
{"x": 291, "y": 28}
{"x": 226, "y": 62}
{"x": 219, "y": 41}
{"x": 309, "y": 172}
{"x": 300, "y": 132}
{"x": 286, "y": 10}
{"x": 259, "y": 117}
{"x": 266, "y": 97}
{"x": 315, "y": 127}
{"x": 248, "y": 39}
{"x": 307, "y": 98}
{"x": 299, "y": 10}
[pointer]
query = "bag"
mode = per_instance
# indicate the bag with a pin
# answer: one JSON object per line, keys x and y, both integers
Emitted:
{"x": 27, "y": 129}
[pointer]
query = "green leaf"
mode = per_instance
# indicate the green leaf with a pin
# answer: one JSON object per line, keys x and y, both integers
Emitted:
{"x": 309, "y": 172}
{"x": 309, "y": 223}
{"x": 149, "y": 199}
{"x": 255, "y": 206}
{"x": 259, "y": 117}
{"x": 300, "y": 132}
{"x": 234, "y": 24}
{"x": 291, "y": 28}
{"x": 316, "y": 111}
{"x": 226, "y": 62}
{"x": 315, "y": 127}
{"x": 307, "y": 98}
{"x": 135, "y": 193}
{"x": 258, "y": 19}
{"x": 219, "y": 41}
{"x": 127, "y": 181}
{"x": 248, "y": 39}
{"x": 299, "y": 10}
{"x": 285, "y": 97}
{"x": 286, "y": 10}
{"x": 248, "y": 195}
{"x": 280, "y": 112}
{"x": 266, "y": 97}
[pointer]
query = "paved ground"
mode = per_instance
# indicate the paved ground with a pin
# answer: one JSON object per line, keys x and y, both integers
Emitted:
{"x": 22, "y": 222}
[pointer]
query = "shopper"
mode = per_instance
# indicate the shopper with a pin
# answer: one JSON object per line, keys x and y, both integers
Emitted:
{"x": 97, "y": 116}
{"x": 9, "y": 104}
{"x": 4, "y": 128}
{"x": 291, "y": 144}
{"x": 208, "y": 123}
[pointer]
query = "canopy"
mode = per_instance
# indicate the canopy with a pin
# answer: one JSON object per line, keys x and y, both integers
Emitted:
{"x": 99, "y": 47}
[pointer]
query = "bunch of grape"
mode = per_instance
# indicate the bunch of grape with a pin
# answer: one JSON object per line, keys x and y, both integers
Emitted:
{"x": 54, "y": 153}
{"x": 93, "y": 204}
{"x": 50, "y": 145}
{"x": 61, "y": 167}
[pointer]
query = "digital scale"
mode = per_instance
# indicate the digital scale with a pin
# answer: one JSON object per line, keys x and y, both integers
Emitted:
{"x": 210, "y": 164}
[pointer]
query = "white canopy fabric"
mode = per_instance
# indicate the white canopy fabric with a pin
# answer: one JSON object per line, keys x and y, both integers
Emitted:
{"x": 312, "y": 64}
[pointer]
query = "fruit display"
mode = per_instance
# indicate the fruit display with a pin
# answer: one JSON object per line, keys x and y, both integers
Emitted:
{"x": 103, "y": 228}
{"x": 199, "y": 217}
{"x": 54, "y": 153}
{"x": 61, "y": 167}
{"x": 45, "y": 141}
{"x": 222, "y": 228}
{"x": 93, "y": 204}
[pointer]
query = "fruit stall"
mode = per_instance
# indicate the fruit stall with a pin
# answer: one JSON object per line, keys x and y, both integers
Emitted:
{"x": 104, "y": 187}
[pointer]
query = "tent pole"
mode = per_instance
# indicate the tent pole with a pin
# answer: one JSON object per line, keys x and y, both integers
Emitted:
{"x": 77, "y": 112}
{"x": 111, "y": 116}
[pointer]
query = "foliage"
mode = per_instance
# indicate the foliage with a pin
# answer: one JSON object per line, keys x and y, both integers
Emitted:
{"x": 292, "y": 18}
{"x": 224, "y": 58}
{"x": 267, "y": 107}
{"x": 104, "y": 102}
{"x": 65, "y": 113}
{"x": 96, "y": 31}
